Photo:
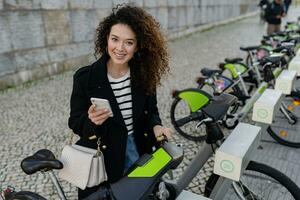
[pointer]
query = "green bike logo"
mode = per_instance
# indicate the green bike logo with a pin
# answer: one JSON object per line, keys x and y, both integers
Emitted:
{"x": 283, "y": 87}
{"x": 262, "y": 113}
{"x": 227, "y": 166}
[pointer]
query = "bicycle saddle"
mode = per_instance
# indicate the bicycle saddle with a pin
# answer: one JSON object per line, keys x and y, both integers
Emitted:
{"x": 41, "y": 160}
{"x": 233, "y": 60}
{"x": 281, "y": 49}
{"x": 147, "y": 172}
{"x": 26, "y": 195}
{"x": 271, "y": 59}
{"x": 208, "y": 72}
{"x": 218, "y": 106}
{"x": 249, "y": 48}
{"x": 288, "y": 44}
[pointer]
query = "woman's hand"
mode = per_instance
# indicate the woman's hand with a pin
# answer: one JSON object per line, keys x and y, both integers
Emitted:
{"x": 159, "y": 131}
{"x": 98, "y": 116}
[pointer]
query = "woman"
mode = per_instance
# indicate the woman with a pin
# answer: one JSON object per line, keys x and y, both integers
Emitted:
{"x": 133, "y": 59}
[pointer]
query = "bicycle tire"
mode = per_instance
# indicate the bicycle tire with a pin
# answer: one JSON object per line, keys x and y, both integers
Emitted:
{"x": 281, "y": 140}
{"x": 283, "y": 132}
{"x": 289, "y": 188}
{"x": 278, "y": 176}
{"x": 189, "y": 132}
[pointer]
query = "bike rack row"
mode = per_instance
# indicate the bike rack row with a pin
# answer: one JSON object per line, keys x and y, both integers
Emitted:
{"x": 235, "y": 153}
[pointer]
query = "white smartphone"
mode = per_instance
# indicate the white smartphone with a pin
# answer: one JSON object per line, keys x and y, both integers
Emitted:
{"x": 102, "y": 103}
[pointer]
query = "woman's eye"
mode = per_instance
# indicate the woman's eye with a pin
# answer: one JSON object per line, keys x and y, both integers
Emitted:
{"x": 129, "y": 43}
{"x": 114, "y": 39}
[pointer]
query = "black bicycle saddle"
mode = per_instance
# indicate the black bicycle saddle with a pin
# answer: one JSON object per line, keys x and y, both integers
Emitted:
{"x": 218, "y": 106}
{"x": 41, "y": 160}
{"x": 233, "y": 60}
{"x": 208, "y": 72}
{"x": 26, "y": 195}
{"x": 249, "y": 48}
{"x": 271, "y": 59}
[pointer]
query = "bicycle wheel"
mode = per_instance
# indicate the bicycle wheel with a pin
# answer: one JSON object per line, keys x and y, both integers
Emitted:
{"x": 185, "y": 122}
{"x": 262, "y": 182}
{"x": 283, "y": 132}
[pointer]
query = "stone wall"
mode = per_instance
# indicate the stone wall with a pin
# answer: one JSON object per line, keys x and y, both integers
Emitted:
{"x": 39, "y": 38}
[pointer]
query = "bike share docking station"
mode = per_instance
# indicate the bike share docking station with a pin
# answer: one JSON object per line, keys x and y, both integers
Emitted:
{"x": 235, "y": 153}
{"x": 266, "y": 106}
{"x": 294, "y": 64}
{"x": 286, "y": 80}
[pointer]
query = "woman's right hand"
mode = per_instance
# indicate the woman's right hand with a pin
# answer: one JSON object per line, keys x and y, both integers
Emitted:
{"x": 98, "y": 116}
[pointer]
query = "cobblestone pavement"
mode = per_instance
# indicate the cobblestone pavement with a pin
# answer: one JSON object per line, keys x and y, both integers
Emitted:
{"x": 34, "y": 115}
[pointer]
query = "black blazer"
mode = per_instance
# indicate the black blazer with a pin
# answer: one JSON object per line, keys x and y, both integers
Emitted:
{"x": 272, "y": 11}
{"x": 92, "y": 81}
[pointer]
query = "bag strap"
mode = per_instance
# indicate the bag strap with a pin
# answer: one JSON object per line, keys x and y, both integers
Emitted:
{"x": 98, "y": 153}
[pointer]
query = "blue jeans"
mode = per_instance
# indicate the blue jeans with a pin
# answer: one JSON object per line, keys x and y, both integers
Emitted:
{"x": 131, "y": 154}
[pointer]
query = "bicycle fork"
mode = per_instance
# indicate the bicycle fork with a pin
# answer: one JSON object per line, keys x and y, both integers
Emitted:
{"x": 243, "y": 191}
{"x": 287, "y": 114}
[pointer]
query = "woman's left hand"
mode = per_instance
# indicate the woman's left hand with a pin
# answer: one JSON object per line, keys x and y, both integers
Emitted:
{"x": 159, "y": 131}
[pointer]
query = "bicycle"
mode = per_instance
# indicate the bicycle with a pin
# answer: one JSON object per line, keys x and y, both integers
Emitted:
{"x": 213, "y": 83}
{"x": 210, "y": 112}
{"x": 142, "y": 177}
{"x": 217, "y": 84}
{"x": 181, "y": 112}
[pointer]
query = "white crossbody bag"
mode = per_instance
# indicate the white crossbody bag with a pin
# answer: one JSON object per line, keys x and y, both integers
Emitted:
{"x": 83, "y": 167}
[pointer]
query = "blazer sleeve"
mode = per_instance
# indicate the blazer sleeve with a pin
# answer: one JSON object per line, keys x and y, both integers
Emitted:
{"x": 153, "y": 113}
{"x": 79, "y": 105}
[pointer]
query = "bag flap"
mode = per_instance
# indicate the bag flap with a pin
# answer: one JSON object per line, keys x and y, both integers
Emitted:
{"x": 77, "y": 165}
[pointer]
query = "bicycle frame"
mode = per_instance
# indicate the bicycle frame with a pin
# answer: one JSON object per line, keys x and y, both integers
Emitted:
{"x": 245, "y": 110}
{"x": 57, "y": 186}
{"x": 236, "y": 75}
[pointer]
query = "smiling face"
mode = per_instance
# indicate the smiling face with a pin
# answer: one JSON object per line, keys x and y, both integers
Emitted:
{"x": 121, "y": 44}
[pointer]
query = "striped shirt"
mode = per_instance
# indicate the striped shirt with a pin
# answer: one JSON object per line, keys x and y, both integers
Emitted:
{"x": 122, "y": 91}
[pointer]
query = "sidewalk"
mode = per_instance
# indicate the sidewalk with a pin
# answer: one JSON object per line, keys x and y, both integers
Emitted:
{"x": 35, "y": 115}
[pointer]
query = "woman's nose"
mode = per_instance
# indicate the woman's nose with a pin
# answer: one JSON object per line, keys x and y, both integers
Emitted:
{"x": 120, "y": 46}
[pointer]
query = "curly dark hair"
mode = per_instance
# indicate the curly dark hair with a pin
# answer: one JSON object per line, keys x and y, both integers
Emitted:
{"x": 151, "y": 61}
